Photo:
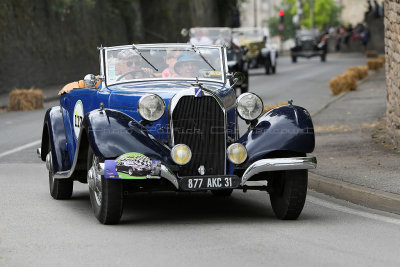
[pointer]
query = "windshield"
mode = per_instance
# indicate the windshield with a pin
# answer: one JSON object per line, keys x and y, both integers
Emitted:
{"x": 180, "y": 62}
{"x": 256, "y": 33}
{"x": 216, "y": 36}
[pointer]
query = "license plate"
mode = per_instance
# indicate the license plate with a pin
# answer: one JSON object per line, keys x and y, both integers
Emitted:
{"x": 194, "y": 183}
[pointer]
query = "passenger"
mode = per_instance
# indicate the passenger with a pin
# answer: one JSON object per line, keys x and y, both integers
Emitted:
{"x": 187, "y": 65}
{"x": 200, "y": 39}
{"x": 170, "y": 60}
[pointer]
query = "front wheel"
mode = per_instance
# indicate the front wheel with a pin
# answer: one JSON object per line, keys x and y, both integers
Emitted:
{"x": 105, "y": 194}
{"x": 268, "y": 66}
{"x": 289, "y": 193}
{"x": 59, "y": 188}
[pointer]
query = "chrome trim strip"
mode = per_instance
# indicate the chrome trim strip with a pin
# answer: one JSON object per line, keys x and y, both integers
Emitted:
{"x": 279, "y": 164}
{"x": 169, "y": 175}
{"x": 39, "y": 152}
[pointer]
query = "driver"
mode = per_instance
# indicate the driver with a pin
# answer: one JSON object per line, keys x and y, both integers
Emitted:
{"x": 129, "y": 67}
{"x": 187, "y": 65}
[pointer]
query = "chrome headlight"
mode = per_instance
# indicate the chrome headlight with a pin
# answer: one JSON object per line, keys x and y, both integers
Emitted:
{"x": 151, "y": 107}
{"x": 237, "y": 153}
{"x": 181, "y": 154}
{"x": 249, "y": 106}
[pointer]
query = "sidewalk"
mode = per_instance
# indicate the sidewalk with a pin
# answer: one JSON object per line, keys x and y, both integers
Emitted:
{"x": 49, "y": 93}
{"x": 355, "y": 160}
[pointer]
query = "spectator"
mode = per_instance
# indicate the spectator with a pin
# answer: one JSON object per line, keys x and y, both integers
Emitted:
{"x": 365, "y": 37}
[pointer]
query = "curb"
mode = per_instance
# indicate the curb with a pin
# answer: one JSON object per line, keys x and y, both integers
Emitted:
{"x": 357, "y": 194}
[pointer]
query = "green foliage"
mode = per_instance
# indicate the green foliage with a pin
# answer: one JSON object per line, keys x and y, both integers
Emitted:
{"x": 326, "y": 12}
{"x": 289, "y": 28}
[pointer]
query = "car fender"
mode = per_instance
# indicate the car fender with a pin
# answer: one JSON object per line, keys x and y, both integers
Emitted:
{"x": 286, "y": 128}
{"x": 53, "y": 135}
{"x": 111, "y": 133}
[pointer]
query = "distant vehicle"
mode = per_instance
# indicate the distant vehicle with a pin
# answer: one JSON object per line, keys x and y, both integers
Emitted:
{"x": 182, "y": 124}
{"x": 309, "y": 43}
{"x": 261, "y": 51}
{"x": 236, "y": 55}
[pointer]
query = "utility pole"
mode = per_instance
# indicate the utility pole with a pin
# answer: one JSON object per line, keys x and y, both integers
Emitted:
{"x": 255, "y": 12}
{"x": 312, "y": 13}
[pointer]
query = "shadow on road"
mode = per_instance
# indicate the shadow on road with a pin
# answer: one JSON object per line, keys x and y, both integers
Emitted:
{"x": 190, "y": 208}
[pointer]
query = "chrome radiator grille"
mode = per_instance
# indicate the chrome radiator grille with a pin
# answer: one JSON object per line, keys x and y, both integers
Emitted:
{"x": 199, "y": 123}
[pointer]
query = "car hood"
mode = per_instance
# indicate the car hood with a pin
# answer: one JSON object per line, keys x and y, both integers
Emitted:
{"x": 128, "y": 94}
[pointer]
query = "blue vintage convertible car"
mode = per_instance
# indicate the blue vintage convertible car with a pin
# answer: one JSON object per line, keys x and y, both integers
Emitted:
{"x": 171, "y": 108}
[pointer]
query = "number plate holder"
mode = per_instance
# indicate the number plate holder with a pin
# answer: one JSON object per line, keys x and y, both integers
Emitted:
{"x": 206, "y": 182}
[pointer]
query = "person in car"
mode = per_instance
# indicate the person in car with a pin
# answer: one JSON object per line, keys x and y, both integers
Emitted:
{"x": 187, "y": 65}
{"x": 170, "y": 60}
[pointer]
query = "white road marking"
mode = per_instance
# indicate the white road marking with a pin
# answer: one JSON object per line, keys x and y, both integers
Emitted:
{"x": 31, "y": 144}
{"x": 330, "y": 205}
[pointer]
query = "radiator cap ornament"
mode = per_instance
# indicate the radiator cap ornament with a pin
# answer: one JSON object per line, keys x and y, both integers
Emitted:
{"x": 202, "y": 170}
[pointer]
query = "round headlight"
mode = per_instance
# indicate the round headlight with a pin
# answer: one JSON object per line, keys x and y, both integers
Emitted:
{"x": 237, "y": 153}
{"x": 151, "y": 107}
{"x": 181, "y": 154}
{"x": 249, "y": 106}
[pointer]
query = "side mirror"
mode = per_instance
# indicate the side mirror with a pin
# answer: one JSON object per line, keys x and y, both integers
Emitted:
{"x": 245, "y": 49}
{"x": 184, "y": 32}
{"x": 237, "y": 78}
{"x": 90, "y": 81}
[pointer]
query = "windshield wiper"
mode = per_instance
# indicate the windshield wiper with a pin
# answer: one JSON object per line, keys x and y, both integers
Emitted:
{"x": 140, "y": 54}
{"x": 195, "y": 49}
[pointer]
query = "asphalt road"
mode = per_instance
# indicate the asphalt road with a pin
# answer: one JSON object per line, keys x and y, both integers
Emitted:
{"x": 168, "y": 229}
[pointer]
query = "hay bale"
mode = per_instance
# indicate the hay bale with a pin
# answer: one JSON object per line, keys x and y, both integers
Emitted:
{"x": 25, "y": 99}
{"x": 374, "y": 64}
{"x": 364, "y": 71}
{"x": 344, "y": 82}
{"x": 350, "y": 81}
{"x": 371, "y": 53}
{"x": 336, "y": 84}
{"x": 360, "y": 71}
{"x": 382, "y": 57}
{"x": 269, "y": 107}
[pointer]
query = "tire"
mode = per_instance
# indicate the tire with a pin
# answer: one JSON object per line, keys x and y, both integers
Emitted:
{"x": 289, "y": 193}
{"x": 222, "y": 193}
{"x": 294, "y": 59}
{"x": 323, "y": 57}
{"x": 107, "y": 202}
{"x": 59, "y": 188}
{"x": 273, "y": 69}
{"x": 268, "y": 66}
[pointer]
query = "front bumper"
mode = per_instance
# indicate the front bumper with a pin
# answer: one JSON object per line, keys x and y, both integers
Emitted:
{"x": 263, "y": 165}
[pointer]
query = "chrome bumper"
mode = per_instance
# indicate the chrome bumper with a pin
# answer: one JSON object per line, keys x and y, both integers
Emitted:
{"x": 278, "y": 164}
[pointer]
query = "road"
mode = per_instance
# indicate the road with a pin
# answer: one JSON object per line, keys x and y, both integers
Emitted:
{"x": 168, "y": 229}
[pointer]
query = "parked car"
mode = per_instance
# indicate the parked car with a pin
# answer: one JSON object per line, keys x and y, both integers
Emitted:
{"x": 186, "y": 125}
{"x": 236, "y": 55}
{"x": 309, "y": 43}
{"x": 261, "y": 51}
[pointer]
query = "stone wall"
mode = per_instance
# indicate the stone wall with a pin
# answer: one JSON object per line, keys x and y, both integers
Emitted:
{"x": 392, "y": 51}
{"x": 51, "y": 42}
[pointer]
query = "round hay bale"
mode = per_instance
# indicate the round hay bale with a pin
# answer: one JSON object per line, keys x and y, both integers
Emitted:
{"x": 25, "y": 99}
{"x": 374, "y": 64}
{"x": 336, "y": 85}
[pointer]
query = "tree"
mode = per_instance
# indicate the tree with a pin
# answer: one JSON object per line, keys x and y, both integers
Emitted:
{"x": 326, "y": 12}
